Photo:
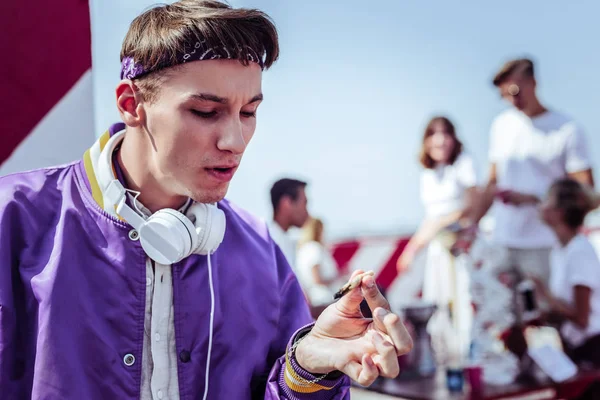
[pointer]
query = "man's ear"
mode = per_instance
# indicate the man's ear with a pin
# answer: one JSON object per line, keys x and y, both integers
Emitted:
{"x": 284, "y": 203}
{"x": 129, "y": 103}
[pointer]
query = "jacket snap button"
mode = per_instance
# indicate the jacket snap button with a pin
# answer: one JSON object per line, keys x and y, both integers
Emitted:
{"x": 184, "y": 356}
{"x": 129, "y": 360}
{"x": 134, "y": 235}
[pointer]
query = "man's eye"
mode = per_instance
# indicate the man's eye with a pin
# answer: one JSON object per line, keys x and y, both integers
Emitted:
{"x": 249, "y": 114}
{"x": 203, "y": 114}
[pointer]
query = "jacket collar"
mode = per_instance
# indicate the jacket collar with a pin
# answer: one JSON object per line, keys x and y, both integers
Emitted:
{"x": 91, "y": 164}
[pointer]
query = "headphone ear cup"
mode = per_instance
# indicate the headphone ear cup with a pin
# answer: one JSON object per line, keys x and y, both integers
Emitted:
{"x": 168, "y": 236}
{"x": 209, "y": 221}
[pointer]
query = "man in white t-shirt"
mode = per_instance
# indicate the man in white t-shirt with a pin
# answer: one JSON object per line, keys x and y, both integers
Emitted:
{"x": 530, "y": 147}
{"x": 289, "y": 201}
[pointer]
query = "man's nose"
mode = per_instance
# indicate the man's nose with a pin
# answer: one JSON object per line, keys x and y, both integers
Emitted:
{"x": 231, "y": 138}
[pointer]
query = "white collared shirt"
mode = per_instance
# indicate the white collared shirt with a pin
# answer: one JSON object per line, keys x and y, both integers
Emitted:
{"x": 285, "y": 243}
{"x": 159, "y": 354}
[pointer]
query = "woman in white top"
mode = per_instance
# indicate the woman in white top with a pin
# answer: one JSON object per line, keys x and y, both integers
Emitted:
{"x": 448, "y": 190}
{"x": 574, "y": 290}
{"x": 448, "y": 186}
{"x": 316, "y": 269}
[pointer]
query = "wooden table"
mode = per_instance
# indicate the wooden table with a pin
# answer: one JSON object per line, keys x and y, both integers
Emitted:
{"x": 435, "y": 389}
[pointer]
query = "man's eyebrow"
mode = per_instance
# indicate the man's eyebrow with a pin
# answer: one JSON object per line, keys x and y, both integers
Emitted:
{"x": 221, "y": 100}
{"x": 256, "y": 98}
{"x": 209, "y": 97}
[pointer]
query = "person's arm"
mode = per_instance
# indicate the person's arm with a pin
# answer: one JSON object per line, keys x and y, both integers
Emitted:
{"x": 425, "y": 233}
{"x": 287, "y": 380}
{"x": 578, "y": 313}
{"x": 317, "y": 278}
{"x": 582, "y": 268}
{"x": 486, "y": 197}
{"x": 11, "y": 306}
{"x": 430, "y": 228}
{"x": 585, "y": 177}
{"x": 313, "y": 254}
{"x": 577, "y": 159}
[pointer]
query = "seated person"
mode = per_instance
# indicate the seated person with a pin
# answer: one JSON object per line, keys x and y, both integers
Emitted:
{"x": 316, "y": 269}
{"x": 573, "y": 295}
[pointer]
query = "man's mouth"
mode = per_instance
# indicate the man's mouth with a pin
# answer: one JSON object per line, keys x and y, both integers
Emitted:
{"x": 222, "y": 173}
{"x": 222, "y": 169}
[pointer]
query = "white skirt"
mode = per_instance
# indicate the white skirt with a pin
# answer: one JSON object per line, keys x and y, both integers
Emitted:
{"x": 447, "y": 284}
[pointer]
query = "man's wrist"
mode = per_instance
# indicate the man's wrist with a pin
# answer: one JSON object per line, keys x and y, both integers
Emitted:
{"x": 532, "y": 199}
{"x": 303, "y": 358}
{"x": 299, "y": 378}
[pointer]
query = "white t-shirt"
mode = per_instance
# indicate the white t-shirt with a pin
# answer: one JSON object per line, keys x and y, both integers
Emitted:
{"x": 285, "y": 243}
{"x": 576, "y": 264}
{"x": 311, "y": 254}
{"x": 530, "y": 154}
{"x": 443, "y": 188}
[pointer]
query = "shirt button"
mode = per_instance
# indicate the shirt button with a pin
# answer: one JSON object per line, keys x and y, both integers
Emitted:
{"x": 184, "y": 356}
{"x": 159, "y": 394}
{"x": 134, "y": 235}
{"x": 148, "y": 281}
{"x": 129, "y": 359}
{"x": 157, "y": 337}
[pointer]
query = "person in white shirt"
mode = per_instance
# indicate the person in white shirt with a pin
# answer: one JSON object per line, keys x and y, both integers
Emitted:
{"x": 448, "y": 186}
{"x": 448, "y": 190}
{"x": 573, "y": 293}
{"x": 531, "y": 146}
{"x": 289, "y": 201}
{"x": 316, "y": 269}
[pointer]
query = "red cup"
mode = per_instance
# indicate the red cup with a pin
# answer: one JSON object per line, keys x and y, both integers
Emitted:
{"x": 474, "y": 374}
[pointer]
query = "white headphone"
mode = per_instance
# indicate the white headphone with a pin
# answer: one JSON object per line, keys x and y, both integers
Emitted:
{"x": 167, "y": 236}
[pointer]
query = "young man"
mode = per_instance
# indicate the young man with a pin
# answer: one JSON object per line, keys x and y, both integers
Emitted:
{"x": 288, "y": 197}
{"x": 127, "y": 276}
{"x": 531, "y": 146}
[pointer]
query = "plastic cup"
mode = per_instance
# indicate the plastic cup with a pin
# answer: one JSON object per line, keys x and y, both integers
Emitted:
{"x": 455, "y": 379}
{"x": 474, "y": 375}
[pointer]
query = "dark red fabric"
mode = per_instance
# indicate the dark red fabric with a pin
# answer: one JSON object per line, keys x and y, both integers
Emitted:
{"x": 343, "y": 252}
{"x": 389, "y": 271}
{"x": 45, "y": 48}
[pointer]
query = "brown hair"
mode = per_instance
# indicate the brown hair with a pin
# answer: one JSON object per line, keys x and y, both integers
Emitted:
{"x": 311, "y": 231}
{"x": 523, "y": 66}
{"x": 424, "y": 157}
{"x": 156, "y": 36}
{"x": 573, "y": 199}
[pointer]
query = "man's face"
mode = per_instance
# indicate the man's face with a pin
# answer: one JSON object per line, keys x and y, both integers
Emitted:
{"x": 199, "y": 126}
{"x": 299, "y": 209}
{"x": 518, "y": 90}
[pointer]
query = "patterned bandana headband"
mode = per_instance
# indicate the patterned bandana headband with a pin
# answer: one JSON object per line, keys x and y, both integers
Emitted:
{"x": 198, "y": 52}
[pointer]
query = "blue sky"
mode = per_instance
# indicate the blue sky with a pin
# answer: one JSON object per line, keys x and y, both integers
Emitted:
{"x": 346, "y": 103}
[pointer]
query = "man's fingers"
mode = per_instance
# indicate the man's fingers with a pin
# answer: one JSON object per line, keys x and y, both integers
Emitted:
{"x": 395, "y": 329}
{"x": 369, "y": 371}
{"x": 386, "y": 358}
{"x": 349, "y": 304}
{"x": 355, "y": 273}
{"x": 372, "y": 294}
{"x": 363, "y": 373}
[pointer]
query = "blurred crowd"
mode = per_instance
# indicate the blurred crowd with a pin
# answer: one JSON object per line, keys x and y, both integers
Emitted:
{"x": 538, "y": 189}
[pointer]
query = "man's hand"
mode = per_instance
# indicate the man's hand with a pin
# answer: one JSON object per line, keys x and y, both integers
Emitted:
{"x": 362, "y": 348}
{"x": 516, "y": 199}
